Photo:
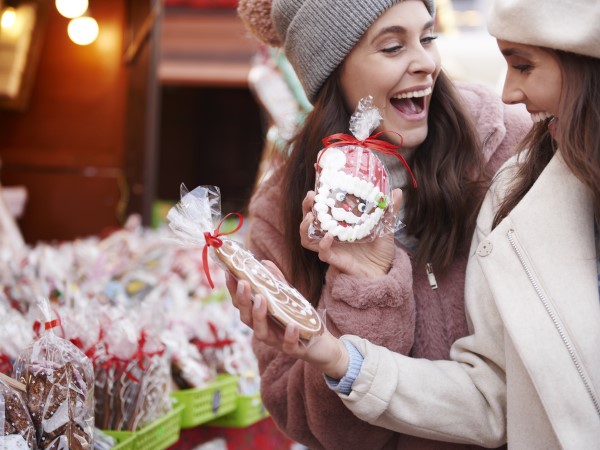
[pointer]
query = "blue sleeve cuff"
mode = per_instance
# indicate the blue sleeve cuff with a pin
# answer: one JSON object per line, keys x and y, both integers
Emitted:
{"x": 344, "y": 386}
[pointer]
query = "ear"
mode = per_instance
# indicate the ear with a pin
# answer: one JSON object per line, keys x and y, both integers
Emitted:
{"x": 256, "y": 15}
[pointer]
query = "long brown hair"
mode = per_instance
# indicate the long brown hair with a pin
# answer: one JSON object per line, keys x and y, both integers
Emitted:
{"x": 440, "y": 212}
{"x": 578, "y": 137}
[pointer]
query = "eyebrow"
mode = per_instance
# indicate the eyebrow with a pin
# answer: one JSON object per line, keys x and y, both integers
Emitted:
{"x": 400, "y": 29}
{"x": 507, "y": 52}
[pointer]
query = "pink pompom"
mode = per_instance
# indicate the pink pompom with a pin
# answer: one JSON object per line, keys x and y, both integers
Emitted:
{"x": 256, "y": 15}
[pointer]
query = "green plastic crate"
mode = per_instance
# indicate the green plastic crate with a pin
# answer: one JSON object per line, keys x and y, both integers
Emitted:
{"x": 158, "y": 435}
{"x": 125, "y": 439}
{"x": 249, "y": 410}
{"x": 201, "y": 405}
{"x": 161, "y": 433}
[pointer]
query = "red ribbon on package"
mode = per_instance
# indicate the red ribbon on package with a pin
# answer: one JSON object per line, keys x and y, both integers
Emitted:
{"x": 212, "y": 240}
{"x": 37, "y": 325}
{"x": 372, "y": 143}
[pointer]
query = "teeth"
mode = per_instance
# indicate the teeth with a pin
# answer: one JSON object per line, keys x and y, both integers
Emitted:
{"x": 541, "y": 116}
{"x": 412, "y": 94}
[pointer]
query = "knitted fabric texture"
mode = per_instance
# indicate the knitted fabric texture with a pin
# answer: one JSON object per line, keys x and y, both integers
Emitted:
{"x": 568, "y": 25}
{"x": 318, "y": 34}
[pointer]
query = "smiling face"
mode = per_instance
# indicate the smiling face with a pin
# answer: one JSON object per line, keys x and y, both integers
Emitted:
{"x": 533, "y": 77}
{"x": 397, "y": 63}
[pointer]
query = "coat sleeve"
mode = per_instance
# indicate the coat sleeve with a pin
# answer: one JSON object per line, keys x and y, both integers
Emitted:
{"x": 461, "y": 400}
{"x": 380, "y": 309}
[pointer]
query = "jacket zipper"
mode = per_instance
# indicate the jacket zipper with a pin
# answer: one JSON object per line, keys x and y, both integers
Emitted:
{"x": 431, "y": 276}
{"x": 561, "y": 331}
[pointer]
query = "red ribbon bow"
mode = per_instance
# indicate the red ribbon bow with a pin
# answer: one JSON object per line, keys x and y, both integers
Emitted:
{"x": 37, "y": 325}
{"x": 342, "y": 139}
{"x": 212, "y": 240}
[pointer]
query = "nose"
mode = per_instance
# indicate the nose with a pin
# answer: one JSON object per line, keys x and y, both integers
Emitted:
{"x": 511, "y": 92}
{"x": 424, "y": 60}
{"x": 347, "y": 207}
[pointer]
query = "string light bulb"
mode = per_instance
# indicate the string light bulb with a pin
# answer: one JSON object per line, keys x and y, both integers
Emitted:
{"x": 9, "y": 17}
{"x": 83, "y": 30}
{"x": 72, "y": 8}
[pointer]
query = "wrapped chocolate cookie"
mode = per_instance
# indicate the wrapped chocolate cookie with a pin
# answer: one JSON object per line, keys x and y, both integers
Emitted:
{"x": 192, "y": 220}
{"x": 59, "y": 380}
{"x": 17, "y": 431}
{"x": 353, "y": 200}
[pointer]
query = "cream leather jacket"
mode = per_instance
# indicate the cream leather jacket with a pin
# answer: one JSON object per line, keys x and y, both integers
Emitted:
{"x": 529, "y": 373}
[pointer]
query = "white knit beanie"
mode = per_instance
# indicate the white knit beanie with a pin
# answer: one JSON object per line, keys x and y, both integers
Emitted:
{"x": 318, "y": 34}
{"x": 569, "y": 25}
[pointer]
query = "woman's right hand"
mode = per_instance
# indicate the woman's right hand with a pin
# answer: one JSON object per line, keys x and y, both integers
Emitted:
{"x": 325, "y": 352}
{"x": 366, "y": 259}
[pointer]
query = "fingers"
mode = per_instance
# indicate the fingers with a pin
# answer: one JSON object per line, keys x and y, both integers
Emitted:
{"x": 260, "y": 319}
{"x": 397, "y": 199}
{"x": 242, "y": 300}
{"x": 325, "y": 248}
{"x": 308, "y": 242}
{"x": 291, "y": 340}
{"x": 231, "y": 284}
{"x": 308, "y": 202}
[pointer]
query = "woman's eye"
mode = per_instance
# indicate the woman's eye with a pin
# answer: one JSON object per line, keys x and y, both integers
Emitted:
{"x": 428, "y": 40}
{"x": 392, "y": 49}
{"x": 340, "y": 196}
{"x": 362, "y": 206}
{"x": 522, "y": 67}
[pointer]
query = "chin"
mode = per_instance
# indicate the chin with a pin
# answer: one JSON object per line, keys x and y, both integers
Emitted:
{"x": 414, "y": 138}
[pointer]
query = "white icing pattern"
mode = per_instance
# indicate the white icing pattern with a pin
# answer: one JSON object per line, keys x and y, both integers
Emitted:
{"x": 284, "y": 302}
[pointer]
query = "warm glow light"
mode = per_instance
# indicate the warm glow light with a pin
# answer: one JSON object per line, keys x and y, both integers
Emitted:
{"x": 83, "y": 30}
{"x": 71, "y": 8}
{"x": 9, "y": 18}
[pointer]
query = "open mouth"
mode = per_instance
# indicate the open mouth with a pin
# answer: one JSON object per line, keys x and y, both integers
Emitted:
{"x": 411, "y": 103}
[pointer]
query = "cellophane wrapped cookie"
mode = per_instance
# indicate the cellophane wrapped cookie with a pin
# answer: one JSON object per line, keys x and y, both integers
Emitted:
{"x": 132, "y": 376}
{"x": 60, "y": 389}
{"x": 193, "y": 221}
{"x": 17, "y": 431}
{"x": 353, "y": 200}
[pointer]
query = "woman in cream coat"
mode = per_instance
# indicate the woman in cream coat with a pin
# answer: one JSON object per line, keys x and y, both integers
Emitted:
{"x": 529, "y": 372}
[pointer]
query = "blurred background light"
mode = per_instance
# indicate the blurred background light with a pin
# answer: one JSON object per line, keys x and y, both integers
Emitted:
{"x": 72, "y": 8}
{"x": 83, "y": 30}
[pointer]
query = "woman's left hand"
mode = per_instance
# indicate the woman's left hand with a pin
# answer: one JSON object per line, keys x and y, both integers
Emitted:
{"x": 325, "y": 352}
{"x": 367, "y": 259}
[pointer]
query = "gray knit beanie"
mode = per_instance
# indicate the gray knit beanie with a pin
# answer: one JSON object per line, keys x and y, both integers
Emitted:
{"x": 569, "y": 25}
{"x": 318, "y": 34}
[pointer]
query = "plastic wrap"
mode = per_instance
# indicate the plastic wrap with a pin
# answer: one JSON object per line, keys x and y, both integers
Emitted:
{"x": 17, "y": 431}
{"x": 353, "y": 200}
{"x": 192, "y": 220}
{"x": 60, "y": 389}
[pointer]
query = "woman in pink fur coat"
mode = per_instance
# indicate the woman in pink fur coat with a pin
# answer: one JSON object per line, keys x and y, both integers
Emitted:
{"x": 455, "y": 136}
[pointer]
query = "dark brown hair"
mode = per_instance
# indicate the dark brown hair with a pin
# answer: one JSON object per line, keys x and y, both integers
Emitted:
{"x": 578, "y": 136}
{"x": 440, "y": 212}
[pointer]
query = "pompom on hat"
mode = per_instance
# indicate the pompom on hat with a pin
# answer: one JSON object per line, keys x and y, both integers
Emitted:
{"x": 568, "y": 25}
{"x": 316, "y": 35}
{"x": 256, "y": 15}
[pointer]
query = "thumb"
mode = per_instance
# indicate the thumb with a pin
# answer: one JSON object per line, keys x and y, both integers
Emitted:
{"x": 397, "y": 199}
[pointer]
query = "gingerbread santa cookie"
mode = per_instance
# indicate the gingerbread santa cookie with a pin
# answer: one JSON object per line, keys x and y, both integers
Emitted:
{"x": 353, "y": 200}
{"x": 352, "y": 194}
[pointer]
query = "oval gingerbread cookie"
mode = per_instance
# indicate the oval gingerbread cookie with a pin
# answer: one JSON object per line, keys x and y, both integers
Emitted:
{"x": 284, "y": 303}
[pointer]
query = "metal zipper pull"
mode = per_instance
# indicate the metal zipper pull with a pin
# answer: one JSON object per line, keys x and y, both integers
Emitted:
{"x": 431, "y": 276}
